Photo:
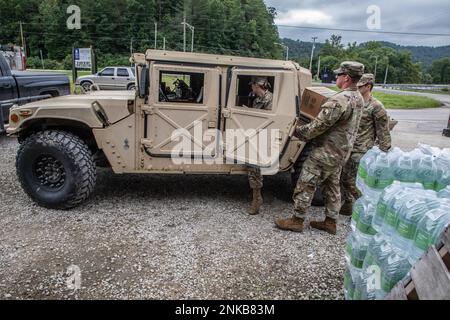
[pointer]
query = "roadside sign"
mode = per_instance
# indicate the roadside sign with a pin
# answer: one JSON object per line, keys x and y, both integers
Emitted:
{"x": 83, "y": 58}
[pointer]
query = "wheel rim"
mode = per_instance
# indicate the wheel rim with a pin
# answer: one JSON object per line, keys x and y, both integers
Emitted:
{"x": 86, "y": 86}
{"x": 49, "y": 172}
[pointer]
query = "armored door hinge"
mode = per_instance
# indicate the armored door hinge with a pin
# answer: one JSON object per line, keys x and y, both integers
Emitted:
{"x": 226, "y": 113}
{"x": 147, "y": 142}
{"x": 147, "y": 109}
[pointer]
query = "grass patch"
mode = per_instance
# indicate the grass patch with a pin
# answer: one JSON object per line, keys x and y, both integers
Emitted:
{"x": 398, "y": 101}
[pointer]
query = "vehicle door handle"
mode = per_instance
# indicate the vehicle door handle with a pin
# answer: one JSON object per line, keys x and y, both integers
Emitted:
{"x": 6, "y": 85}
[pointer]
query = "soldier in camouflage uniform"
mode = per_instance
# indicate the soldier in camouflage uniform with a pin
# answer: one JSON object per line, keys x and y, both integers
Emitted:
{"x": 260, "y": 87}
{"x": 332, "y": 135}
{"x": 373, "y": 130}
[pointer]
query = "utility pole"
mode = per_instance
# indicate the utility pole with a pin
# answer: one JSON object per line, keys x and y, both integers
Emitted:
{"x": 284, "y": 47}
{"x": 312, "y": 52}
{"x": 156, "y": 32}
{"x": 131, "y": 48}
{"x": 23, "y": 39}
{"x": 318, "y": 69}
{"x": 375, "y": 71}
{"x": 184, "y": 33}
{"x": 184, "y": 23}
{"x": 164, "y": 43}
{"x": 386, "y": 74}
{"x": 42, "y": 60}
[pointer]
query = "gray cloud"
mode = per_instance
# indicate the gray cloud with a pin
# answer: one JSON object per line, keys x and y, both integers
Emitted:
{"x": 399, "y": 16}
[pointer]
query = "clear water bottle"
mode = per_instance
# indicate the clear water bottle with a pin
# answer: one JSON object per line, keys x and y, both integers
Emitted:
{"x": 393, "y": 269}
{"x": 360, "y": 285}
{"x": 349, "y": 284}
{"x": 394, "y": 154}
{"x": 442, "y": 162}
{"x": 369, "y": 157}
{"x": 428, "y": 150}
{"x": 349, "y": 248}
{"x": 385, "y": 197}
{"x": 364, "y": 224}
{"x": 379, "y": 176}
{"x": 359, "y": 244}
{"x": 409, "y": 215}
{"x": 427, "y": 172}
{"x": 358, "y": 207}
{"x": 428, "y": 230}
{"x": 444, "y": 193}
{"x": 392, "y": 208}
{"x": 404, "y": 170}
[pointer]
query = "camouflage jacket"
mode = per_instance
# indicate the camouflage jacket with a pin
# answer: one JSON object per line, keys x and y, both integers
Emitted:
{"x": 373, "y": 128}
{"x": 264, "y": 102}
{"x": 334, "y": 131}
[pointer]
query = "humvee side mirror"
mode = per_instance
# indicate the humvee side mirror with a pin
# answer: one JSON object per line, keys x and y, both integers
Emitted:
{"x": 143, "y": 82}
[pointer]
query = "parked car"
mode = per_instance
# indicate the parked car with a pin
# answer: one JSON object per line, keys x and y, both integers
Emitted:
{"x": 20, "y": 87}
{"x": 110, "y": 78}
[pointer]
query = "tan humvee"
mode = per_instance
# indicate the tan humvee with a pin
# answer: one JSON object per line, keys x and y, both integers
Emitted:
{"x": 63, "y": 139}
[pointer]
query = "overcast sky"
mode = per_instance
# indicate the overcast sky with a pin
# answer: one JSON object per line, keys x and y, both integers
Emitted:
{"x": 418, "y": 16}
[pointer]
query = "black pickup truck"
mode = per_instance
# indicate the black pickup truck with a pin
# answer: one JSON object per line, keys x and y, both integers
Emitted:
{"x": 20, "y": 87}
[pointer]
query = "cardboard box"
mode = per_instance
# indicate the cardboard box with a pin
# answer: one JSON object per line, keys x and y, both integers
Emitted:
{"x": 312, "y": 100}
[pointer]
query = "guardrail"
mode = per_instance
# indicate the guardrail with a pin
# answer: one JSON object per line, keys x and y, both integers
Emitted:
{"x": 434, "y": 87}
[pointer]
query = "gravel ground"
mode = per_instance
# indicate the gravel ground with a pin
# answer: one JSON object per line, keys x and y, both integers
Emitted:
{"x": 163, "y": 237}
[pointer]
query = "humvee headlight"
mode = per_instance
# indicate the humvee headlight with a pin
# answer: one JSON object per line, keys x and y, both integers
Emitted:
{"x": 14, "y": 117}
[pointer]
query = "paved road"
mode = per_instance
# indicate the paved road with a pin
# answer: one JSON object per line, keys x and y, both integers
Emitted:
{"x": 420, "y": 126}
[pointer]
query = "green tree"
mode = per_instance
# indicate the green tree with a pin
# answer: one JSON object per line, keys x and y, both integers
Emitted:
{"x": 440, "y": 71}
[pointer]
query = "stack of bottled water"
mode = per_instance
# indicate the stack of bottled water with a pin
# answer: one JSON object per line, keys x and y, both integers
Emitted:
{"x": 404, "y": 209}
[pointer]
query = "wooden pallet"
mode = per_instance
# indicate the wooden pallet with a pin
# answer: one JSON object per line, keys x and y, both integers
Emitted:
{"x": 430, "y": 276}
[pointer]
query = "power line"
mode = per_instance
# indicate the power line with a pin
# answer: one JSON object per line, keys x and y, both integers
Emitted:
{"x": 368, "y": 31}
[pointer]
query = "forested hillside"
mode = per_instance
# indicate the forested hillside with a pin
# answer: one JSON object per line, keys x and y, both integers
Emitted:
{"x": 239, "y": 27}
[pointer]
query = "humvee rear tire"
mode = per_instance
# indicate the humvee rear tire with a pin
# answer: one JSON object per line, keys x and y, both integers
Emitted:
{"x": 318, "y": 197}
{"x": 56, "y": 169}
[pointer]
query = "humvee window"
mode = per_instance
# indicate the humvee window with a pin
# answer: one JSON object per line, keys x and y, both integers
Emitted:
{"x": 181, "y": 87}
{"x": 244, "y": 94}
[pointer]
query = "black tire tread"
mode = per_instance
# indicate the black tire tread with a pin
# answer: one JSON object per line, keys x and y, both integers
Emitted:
{"x": 78, "y": 152}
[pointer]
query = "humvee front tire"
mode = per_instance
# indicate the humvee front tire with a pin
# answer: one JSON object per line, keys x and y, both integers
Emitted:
{"x": 56, "y": 169}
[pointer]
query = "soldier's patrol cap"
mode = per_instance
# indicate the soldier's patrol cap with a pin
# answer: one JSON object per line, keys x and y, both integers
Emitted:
{"x": 258, "y": 80}
{"x": 262, "y": 81}
{"x": 367, "y": 78}
{"x": 351, "y": 68}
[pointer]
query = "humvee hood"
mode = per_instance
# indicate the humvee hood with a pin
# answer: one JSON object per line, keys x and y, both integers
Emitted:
{"x": 115, "y": 104}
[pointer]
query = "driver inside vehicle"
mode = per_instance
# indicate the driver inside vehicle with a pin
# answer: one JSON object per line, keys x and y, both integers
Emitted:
{"x": 260, "y": 88}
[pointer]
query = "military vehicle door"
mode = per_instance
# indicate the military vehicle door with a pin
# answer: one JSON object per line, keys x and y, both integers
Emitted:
{"x": 183, "y": 104}
{"x": 265, "y": 131}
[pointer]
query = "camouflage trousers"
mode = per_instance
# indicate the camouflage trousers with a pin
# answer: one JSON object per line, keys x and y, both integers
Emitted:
{"x": 313, "y": 175}
{"x": 255, "y": 178}
{"x": 349, "y": 190}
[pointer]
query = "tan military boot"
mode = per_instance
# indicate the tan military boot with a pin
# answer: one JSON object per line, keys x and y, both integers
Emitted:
{"x": 329, "y": 225}
{"x": 257, "y": 201}
{"x": 346, "y": 209}
{"x": 292, "y": 224}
